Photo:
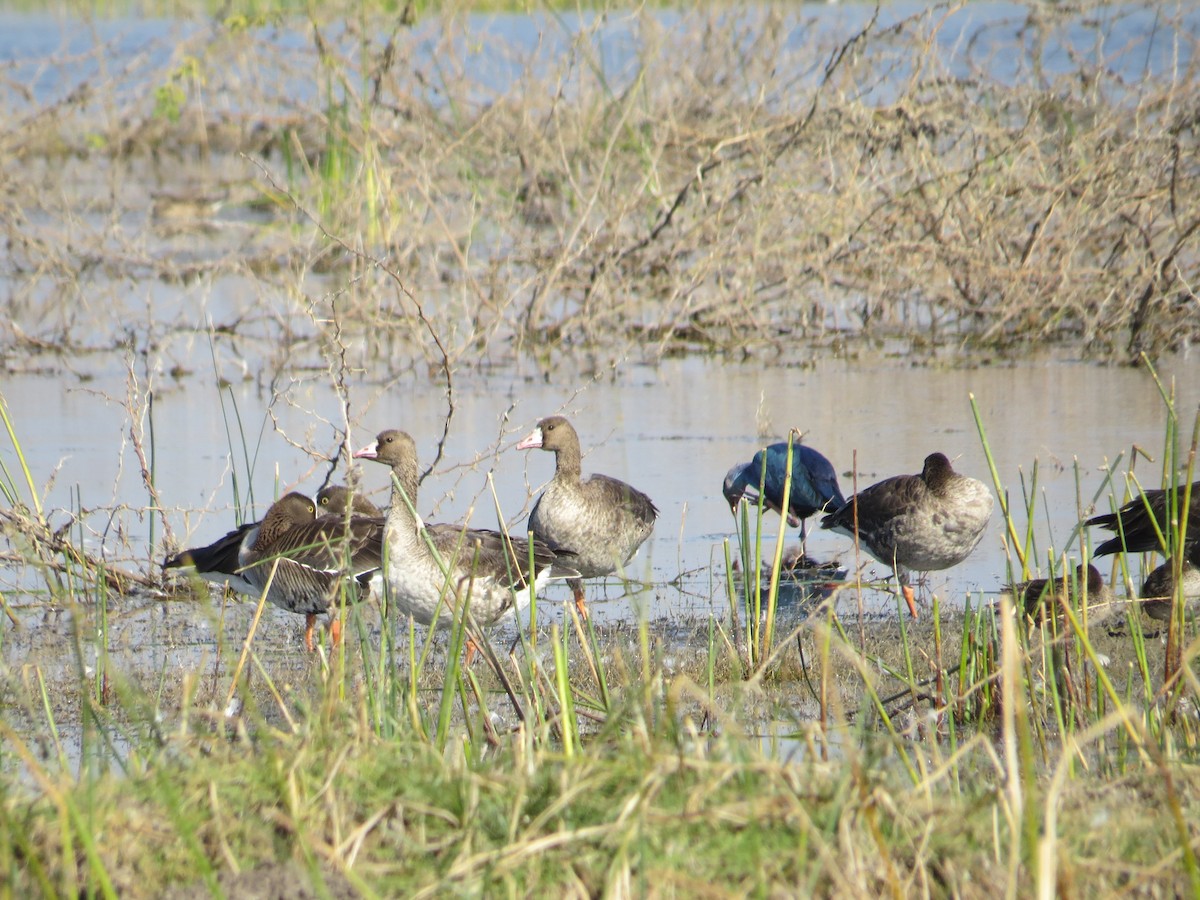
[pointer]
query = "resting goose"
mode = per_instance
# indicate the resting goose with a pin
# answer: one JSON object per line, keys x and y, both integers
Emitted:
{"x": 333, "y": 501}
{"x": 220, "y": 561}
{"x": 920, "y": 522}
{"x": 1159, "y": 588}
{"x": 1041, "y": 597}
{"x": 600, "y": 520}
{"x": 310, "y": 557}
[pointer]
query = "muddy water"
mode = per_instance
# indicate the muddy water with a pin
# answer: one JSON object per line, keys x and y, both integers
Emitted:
{"x": 671, "y": 430}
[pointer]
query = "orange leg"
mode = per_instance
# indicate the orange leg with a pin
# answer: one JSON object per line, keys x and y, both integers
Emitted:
{"x": 580, "y": 604}
{"x": 309, "y": 622}
{"x": 335, "y": 630}
{"x": 472, "y": 649}
{"x": 908, "y": 598}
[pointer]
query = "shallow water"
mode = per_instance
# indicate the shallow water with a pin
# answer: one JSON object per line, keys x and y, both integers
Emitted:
{"x": 500, "y": 50}
{"x": 671, "y": 430}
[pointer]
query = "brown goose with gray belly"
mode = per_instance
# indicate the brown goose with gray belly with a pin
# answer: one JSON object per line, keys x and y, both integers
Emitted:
{"x": 602, "y": 520}
{"x": 924, "y": 522}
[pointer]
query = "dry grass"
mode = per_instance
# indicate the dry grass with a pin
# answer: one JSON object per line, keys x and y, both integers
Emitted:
{"x": 784, "y": 187}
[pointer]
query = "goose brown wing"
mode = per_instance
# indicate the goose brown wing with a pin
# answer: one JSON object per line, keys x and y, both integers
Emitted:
{"x": 617, "y": 494}
{"x": 325, "y": 544}
{"x": 490, "y": 553}
{"x": 880, "y": 503}
{"x": 1032, "y": 596}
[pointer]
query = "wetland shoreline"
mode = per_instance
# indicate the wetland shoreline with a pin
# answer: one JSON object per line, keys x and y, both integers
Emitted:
{"x": 234, "y": 247}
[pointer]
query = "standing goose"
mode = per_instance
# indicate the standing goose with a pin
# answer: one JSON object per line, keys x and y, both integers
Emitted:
{"x": 1041, "y": 597}
{"x": 1159, "y": 588}
{"x": 920, "y": 522}
{"x": 599, "y": 519}
{"x": 814, "y": 483}
{"x": 438, "y": 565}
{"x": 1136, "y": 520}
{"x": 334, "y": 500}
{"x": 310, "y": 558}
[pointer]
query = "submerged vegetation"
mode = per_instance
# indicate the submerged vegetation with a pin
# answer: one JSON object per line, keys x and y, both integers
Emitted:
{"x": 448, "y": 192}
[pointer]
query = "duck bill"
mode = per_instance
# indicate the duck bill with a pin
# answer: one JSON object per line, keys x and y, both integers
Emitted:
{"x": 371, "y": 451}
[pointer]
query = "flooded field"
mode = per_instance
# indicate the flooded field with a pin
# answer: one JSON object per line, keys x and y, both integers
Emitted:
{"x": 195, "y": 330}
{"x": 172, "y": 388}
{"x": 237, "y": 249}
{"x": 672, "y": 429}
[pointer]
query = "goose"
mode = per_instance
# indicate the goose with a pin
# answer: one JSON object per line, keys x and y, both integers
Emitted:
{"x": 601, "y": 520}
{"x": 431, "y": 570}
{"x": 219, "y": 562}
{"x": 334, "y": 499}
{"x": 1159, "y": 588}
{"x": 922, "y": 523}
{"x": 310, "y": 557}
{"x": 1136, "y": 521}
{"x": 1041, "y": 597}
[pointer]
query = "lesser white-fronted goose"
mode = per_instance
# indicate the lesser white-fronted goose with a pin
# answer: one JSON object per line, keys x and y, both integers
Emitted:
{"x": 601, "y": 520}
{"x": 919, "y": 523}
{"x": 439, "y": 566}
{"x": 814, "y": 483}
